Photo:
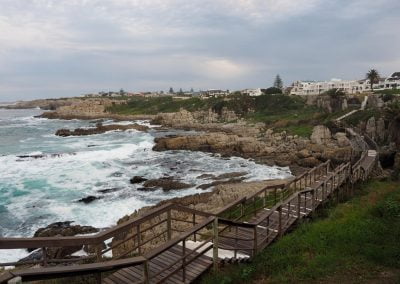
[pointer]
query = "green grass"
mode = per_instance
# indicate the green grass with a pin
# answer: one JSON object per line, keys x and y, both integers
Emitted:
{"x": 304, "y": 130}
{"x": 364, "y": 115}
{"x": 352, "y": 242}
{"x": 157, "y": 105}
{"x": 389, "y": 91}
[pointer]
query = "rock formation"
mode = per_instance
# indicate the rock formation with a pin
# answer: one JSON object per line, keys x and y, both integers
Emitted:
{"x": 99, "y": 129}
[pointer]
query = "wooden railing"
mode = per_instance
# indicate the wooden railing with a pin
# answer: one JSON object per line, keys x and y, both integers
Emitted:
{"x": 136, "y": 242}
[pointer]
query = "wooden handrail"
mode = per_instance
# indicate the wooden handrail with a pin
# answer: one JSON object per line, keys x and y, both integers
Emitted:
{"x": 82, "y": 269}
{"x": 230, "y": 206}
{"x": 151, "y": 254}
{"x": 235, "y": 223}
{"x": 21, "y": 243}
{"x": 5, "y": 277}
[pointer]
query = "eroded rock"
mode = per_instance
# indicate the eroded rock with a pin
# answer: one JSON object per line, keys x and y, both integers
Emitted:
{"x": 166, "y": 184}
{"x": 99, "y": 129}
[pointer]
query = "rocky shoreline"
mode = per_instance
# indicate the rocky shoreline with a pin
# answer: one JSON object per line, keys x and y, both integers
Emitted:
{"x": 99, "y": 129}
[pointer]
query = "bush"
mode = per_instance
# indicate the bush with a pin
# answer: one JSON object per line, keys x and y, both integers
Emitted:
{"x": 272, "y": 91}
{"x": 387, "y": 97}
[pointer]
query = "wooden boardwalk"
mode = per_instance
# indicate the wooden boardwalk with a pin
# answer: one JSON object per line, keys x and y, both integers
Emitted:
{"x": 236, "y": 233}
{"x": 168, "y": 265}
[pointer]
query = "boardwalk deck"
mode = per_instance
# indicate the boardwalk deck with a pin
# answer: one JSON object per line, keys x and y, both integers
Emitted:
{"x": 164, "y": 261}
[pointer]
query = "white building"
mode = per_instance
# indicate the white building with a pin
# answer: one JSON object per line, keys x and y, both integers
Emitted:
{"x": 392, "y": 82}
{"x": 315, "y": 88}
{"x": 252, "y": 92}
{"x": 214, "y": 93}
{"x": 303, "y": 88}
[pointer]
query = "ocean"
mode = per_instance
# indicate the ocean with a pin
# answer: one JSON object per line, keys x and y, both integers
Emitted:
{"x": 36, "y": 191}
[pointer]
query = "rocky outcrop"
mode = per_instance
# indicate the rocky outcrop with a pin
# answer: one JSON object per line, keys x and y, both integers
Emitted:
{"x": 219, "y": 182}
{"x": 185, "y": 117}
{"x": 273, "y": 148}
{"x": 165, "y": 183}
{"x": 62, "y": 229}
{"x": 137, "y": 179}
{"x": 99, "y": 129}
{"x": 225, "y": 144}
{"x": 342, "y": 139}
{"x": 88, "y": 199}
{"x": 321, "y": 135}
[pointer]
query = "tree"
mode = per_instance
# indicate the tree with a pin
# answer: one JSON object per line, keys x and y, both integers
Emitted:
{"x": 191, "y": 90}
{"x": 272, "y": 91}
{"x": 278, "y": 83}
{"x": 373, "y": 77}
{"x": 171, "y": 90}
{"x": 180, "y": 91}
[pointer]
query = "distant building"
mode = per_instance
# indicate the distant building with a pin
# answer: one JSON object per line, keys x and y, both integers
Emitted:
{"x": 214, "y": 93}
{"x": 303, "y": 88}
{"x": 392, "y": 82}
{"x": 252, "y": 92}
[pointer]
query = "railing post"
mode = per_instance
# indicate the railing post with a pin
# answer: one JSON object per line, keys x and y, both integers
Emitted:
{"x": 99, "y": 258}
{"x": 298, "y": 205}
{"x": 183, "y": 260}
{"x": 169, "y": 224}
{"x": 312, "y": 200}
{"x": 194, "y": 224}
{"x": 215, "y": 245}
{"x": 44, "y": 253}
{"x": 98, "y": 252}
{"x": 255, "y": 240}
{"x": 146, "y": 277}
{"x": 236, "y": 240}
{"x": 139, "y": 238}
{"x": 242, "y": 209}
{"x": 255, "y": 206}
{"x": 280, "y": 233}
{"x": 265, "y": 198}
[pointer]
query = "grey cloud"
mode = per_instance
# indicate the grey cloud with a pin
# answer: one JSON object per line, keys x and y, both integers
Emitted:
{"x": 58, "y": 48}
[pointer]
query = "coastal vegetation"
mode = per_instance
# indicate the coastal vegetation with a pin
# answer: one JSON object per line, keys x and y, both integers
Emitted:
{"x": 276, "y": 110}
{"x": 356, "y": 240}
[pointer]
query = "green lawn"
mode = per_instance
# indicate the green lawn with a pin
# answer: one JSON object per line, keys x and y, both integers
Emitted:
{"x": 353, "y": 242}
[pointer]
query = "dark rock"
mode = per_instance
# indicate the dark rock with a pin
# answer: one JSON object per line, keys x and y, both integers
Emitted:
{"x": 99, "y": 129}
{"x": 64, "y": 229}
{"x": 147, "y": 188}
{"x": 215, "y": 183}
{"x": 230, "y": 175}
{"x": 108, "y": 190}
{"x": 166, "y": 183}
{"x": 89, "y": 199}
{"x": 42, "y": 156}
{"x": 34, "y": 256}
{"x": 137, "y": 179}
{"x": 206, "y": 176}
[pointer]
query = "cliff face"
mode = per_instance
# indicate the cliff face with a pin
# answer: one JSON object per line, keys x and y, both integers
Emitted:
{"x": 269, "y": 147}
{"x": 186, "y": 118}
{"x": 48, "y": 104}
{"x": 334, "y": 103}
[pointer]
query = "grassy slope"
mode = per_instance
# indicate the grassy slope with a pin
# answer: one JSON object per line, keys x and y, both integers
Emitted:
{"x": 355, "y": 242}
{"x": 278, "y": 111}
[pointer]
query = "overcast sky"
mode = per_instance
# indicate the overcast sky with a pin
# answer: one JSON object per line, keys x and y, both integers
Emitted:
{"x": 54, "y": 48}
